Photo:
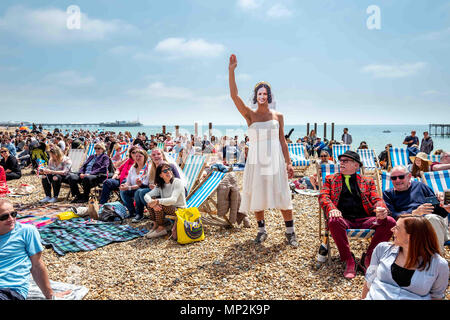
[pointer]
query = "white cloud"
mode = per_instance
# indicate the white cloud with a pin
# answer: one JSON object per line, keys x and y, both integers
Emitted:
{"x": 279, "y": 11}
{"x": 49, "y": 25}
{"x": 181, "y": 47}
{"x": 68, "y": 78}
{"x": 393, "y": 71}
{"x": 249, "y": 4}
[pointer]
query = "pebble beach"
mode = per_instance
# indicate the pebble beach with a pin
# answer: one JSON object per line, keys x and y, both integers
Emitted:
{"x": 227, "y": 265}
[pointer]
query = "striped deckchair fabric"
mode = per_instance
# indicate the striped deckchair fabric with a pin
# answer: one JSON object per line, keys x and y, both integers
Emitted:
{"x": 160, "y": 145}
{"x": 328, "y": 169}
{"x": 90, "y": 150}
{"x": 360, "y": 233}
{"x": 122, "y": 148}
{"x": 368, "y": 158}
{"x": 207, "y": 187}
{"x": 386, "y": 182}
{"x": 192, "y": 169}
{"x": 434, "y": 157}
{"x": 77, "y": 158}
{"x": 297, "y": 154}
{"x": 339, "y": 149}
{"x": 439, "y": 181}
{"x": 398, "y": 156}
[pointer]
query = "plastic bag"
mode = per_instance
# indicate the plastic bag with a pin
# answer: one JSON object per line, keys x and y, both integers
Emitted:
{"x": 189, "y": 226}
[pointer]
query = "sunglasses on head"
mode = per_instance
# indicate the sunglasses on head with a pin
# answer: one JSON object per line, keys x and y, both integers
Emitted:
{"x": 401, "y": 177}
{"x": 4, "y": 217}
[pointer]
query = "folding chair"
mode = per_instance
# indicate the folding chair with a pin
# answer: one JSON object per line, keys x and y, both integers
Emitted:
{"x": 369, "y": 160}
{"x": 90, "y": 150}
{"x": 192, "y": 169}
{"x": 201, "y": 198}
{"x": 160, "y": 145}
{"x": 396, "y": 157}
{"x": 437, "y": 180}
{"x": 326, "y": 170}
{"x": 77, "y": 157}
{"x": 434, "y": 157}
{"x": 297, "y": 153}
{"x": 339, "y": 149}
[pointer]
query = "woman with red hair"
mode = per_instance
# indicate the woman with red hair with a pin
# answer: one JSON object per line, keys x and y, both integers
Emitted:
{"x": 411, "y": 268}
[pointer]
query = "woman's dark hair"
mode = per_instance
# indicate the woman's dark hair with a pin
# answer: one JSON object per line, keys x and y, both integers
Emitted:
{"x": 269, "y": 92}
{"x": 158, "y": 180}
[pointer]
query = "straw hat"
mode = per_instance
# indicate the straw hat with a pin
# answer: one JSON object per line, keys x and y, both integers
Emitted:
{"x": 422, "y": 156}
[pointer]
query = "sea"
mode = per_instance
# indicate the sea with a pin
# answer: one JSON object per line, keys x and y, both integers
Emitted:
{"x": 373, "y": 135}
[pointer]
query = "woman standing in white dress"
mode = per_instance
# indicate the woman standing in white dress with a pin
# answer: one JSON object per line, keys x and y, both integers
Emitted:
{"x": 268, "y": 167}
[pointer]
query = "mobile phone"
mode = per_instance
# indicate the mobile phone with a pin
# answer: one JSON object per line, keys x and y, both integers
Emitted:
{"x": 447, "y": 197}
{"x": 432, "y": 200}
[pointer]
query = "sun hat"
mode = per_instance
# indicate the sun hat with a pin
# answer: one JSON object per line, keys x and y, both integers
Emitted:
{"x": 422, "y": 156}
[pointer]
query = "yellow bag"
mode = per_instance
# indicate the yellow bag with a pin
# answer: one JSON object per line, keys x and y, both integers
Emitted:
{"x": 67, "y": 215}
{"x": 189, "y": 226}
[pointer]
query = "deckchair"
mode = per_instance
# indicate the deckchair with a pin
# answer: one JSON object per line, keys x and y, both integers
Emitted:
{"x": 396, "y": 157}
{"x": 369, "y": 159}
{"x": 339, "y": 149}
{"x": 90, "y": 150}
{"x": 326, "y": 170}
{"x": 439, "y": 181}
{"x": 123, "y": 147}
{"x": 434, "y": 157}
{"x": 161, "y": 146}
{"x": 201, "y": 197}
{"x": 192, "y": 169}
{"x": 77, "y": 157}
{"x": 297, "y": 154}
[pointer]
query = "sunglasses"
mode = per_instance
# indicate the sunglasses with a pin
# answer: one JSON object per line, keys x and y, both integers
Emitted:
{"x": 401, "y": 177}
{"x": 98, "y": 149}
{"x": 166, "y": 170}
{"x": 4, "y": 217}
{"x": 323, "y": 156}
{"x": 345, "y": 161}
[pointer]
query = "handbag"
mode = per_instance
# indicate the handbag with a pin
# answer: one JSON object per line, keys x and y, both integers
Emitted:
{"x": 189, "y": 226}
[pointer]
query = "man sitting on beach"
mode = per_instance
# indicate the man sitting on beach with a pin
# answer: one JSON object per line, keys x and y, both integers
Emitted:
{"x": 20, "y": 255}
{"x": 444, "y": 164}
{"x": 351, "y": 201}
{"x": 410, "y": 197}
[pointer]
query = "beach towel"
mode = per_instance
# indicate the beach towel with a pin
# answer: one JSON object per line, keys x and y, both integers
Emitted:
{"x": 38, "y": 222}
{"x": 79, "y": 234}
{"x": 78, "y": 292}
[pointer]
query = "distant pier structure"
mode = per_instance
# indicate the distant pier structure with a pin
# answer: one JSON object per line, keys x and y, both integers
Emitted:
{"x": 442, "y": 130}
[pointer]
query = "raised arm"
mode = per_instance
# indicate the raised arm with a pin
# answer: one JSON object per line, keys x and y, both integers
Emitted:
{"x": 243, "y": 109}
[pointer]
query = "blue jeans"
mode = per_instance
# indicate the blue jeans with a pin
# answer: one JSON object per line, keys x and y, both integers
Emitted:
{"x": 139, "y": 198}
{"x": 127, "y": 197}
{"x": 109, "y": 185}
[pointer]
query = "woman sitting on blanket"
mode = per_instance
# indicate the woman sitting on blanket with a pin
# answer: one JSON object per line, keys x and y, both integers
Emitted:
{"x": 57, "y": 172}
{"x": 10, "y": 164}
{"x": 137, "y": 179}
{"x": 164, "y": 199}
{"x": 120, "y": 175}
{"x": 92, "y": 172}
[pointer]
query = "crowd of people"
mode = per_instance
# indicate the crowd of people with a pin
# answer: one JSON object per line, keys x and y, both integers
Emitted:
{"x": 144, "y": 177}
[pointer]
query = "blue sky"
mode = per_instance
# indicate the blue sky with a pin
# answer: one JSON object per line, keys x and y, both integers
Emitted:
{"x": 166, "y": 62}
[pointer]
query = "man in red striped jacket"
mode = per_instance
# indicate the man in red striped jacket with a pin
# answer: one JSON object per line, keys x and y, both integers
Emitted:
{"x": 351, "y": 201}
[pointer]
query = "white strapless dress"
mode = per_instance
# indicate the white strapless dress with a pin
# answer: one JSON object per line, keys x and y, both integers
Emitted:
{"x": 265, "y": 184}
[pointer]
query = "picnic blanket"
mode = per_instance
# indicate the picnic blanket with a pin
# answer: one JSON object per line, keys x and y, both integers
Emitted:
{"x": 79, "y": 234}
{"x": 78, "y": 292}
{"x": 38, "y": 222}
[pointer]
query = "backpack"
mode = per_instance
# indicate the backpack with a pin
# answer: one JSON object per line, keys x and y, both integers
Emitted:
{"x": 112, "y": 211}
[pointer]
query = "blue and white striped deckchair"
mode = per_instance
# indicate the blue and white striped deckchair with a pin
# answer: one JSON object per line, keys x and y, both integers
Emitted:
{"x": 434, "y": 157}
{"x": 437, "y": 180}
{"x": 192, "y": 169}
{"x": 122, "y": 148}
{"x": 339, "y": 149}
{"x": 328, "y": 169}
{"x": 90, "y": 150}
{"x": 386, "y": 182}
{"x": 203, "y": 192}
{"x": 368, "y": 158}
{"x": 398, "y": 156}
{"x": 297, "y": 154}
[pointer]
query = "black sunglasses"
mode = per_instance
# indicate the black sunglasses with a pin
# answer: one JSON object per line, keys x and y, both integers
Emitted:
{"x": 165, "y": 170}
{"x": 4, "y": 217}
{"x": 401, "y": 177}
